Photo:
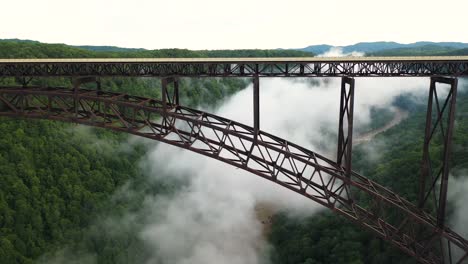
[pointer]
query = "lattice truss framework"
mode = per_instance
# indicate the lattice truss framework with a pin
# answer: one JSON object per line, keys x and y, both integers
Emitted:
{"x": 440, "y": 119}
{"x": 237, "y": 69}
{"x": 289, "y": 165}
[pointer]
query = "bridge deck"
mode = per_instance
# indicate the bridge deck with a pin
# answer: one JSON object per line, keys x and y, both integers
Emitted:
{"x": 238, "y": 67}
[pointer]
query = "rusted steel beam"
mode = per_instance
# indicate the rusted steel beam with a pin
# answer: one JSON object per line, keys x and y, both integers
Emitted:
{"x": 239, "y": 67}
{"x": 256, "y": 106}
{"x": 175, "y": 99}
{"x": 170, "y": 96}
{"x": 164, "y": 82}
{"x": 346, "y": 117}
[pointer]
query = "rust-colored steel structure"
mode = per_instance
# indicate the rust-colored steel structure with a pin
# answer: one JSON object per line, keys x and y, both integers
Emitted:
{"x": 239, "y": 67}
{"x": 301, "y": 170}
{"x": 430, "y": 174}
{"x": 345, "y": 139}
{"x": 418, "y": 230}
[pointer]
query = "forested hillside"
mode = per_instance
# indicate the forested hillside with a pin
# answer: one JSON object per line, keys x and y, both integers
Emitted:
{"x": 57, "y": 177}
{"x": 426, "y": 50}
{"x": 27, "y": 49}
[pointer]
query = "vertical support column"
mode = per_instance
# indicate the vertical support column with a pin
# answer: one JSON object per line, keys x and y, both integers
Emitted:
{"x": 169, "y": 100}
{"x": 99, "y": 92}
{"x": 345, "y": 139}
{"x": 256, "y": 106}
{"x": 425, "y": 159}
{"x": 176, "y": 92}
{"x": 98, "y": 84}
{"x": 167, "y": 97}
{"x": 164, "y": 122}
{"x": 164, "y": 82}
{"x": 429, "y": 175}
{"x": 76, "y": 86}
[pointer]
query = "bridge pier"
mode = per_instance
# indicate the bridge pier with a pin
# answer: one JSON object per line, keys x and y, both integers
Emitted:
{"x": 345, "y": 138}
{"x": 169, "y": 99}
{"x": 430, "y": 176}
{"x": 256, "y": 106}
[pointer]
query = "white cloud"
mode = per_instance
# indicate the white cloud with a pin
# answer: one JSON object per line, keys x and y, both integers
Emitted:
{"x": 338, "y": 52}
{"x": 458, "y": 197}
{"x": 213, "y": 219}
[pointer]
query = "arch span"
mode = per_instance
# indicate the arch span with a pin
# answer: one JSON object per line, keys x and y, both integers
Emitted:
{"x": 301, "y": 170}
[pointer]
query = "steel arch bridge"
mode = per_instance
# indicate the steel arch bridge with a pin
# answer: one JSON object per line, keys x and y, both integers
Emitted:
{"x": 417, "y": 229}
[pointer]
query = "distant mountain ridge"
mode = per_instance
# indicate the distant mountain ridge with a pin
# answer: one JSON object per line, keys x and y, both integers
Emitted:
{"x": 370, "y": 47}
{"x": 378, "y": 48}
{"x": 14, "y": 48}
{"x": 108, "y": 48}
{"x": 85, "y": 47}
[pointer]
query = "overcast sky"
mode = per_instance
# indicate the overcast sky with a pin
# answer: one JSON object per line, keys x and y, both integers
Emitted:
{"x": 235, "y": 24}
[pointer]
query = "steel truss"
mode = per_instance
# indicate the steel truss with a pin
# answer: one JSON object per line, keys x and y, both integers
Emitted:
{"x": 168, "y": 98}
{"x": 236, "y": 68}
{"x": 431, "y": 175}
{"x": 440, "y": 119}
{"x": 289, "y": 165}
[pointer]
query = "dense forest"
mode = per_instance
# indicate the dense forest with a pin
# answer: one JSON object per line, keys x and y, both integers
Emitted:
{"x": 57, "y": 178}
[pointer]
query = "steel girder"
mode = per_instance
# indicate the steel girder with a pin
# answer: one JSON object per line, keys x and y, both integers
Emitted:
{"x": 238, "y": 68}
{"x": 308, "y": 173}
